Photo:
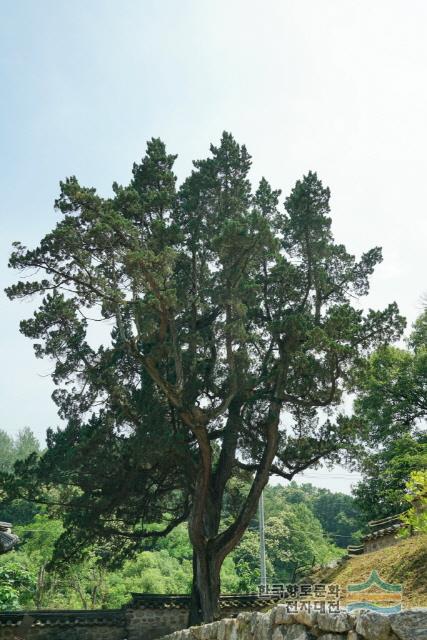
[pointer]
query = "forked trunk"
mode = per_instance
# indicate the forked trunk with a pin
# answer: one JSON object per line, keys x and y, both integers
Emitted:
{"x": 210, "y": 547}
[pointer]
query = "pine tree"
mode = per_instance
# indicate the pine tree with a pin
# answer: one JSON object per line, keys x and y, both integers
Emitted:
{"x": 232, "y": 337}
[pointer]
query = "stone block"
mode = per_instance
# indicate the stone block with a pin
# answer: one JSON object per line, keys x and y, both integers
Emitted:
{"x": 282, "y": 616}
{"x": 374, "y": 626}
{"x": 309, "y": 618}
{"x": 227, "y": 629}
{"x": 278, "y": 633}
{"x": 195, "y": 632}
{"x": 295, "y": 632}
{"x": 243, "y": 625}
{"x": 209, "y": 631}
{"x": 410, "y": 625}
{"x": 262, "y": 625}
{"x": 245, "y": 616}
{"x": 337, "y": 622}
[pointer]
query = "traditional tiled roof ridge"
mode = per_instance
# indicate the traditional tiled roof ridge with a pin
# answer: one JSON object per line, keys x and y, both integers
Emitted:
{"x": 182, "y": 601}
{"x": 384, "y": 527}
{"x": 67, "y": 617}
{"x": 7, "y": 539}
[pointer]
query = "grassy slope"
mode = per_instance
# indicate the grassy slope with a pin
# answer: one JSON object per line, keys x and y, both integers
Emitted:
{"x": 404, "y": 563}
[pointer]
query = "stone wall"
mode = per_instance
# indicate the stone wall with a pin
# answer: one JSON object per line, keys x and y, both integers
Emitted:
{"x": 146, "y": 617}
{"x": 148, "y": 624}
{"x": 64, "y": 625}
{"x": 278, "y": 624}
{"x": 150, "y": 617}
{"x": 145, "y": 624}
{"x": 375, "y": 544}
{"x": 147, "y": 620}
{"x": 382, "y": 533}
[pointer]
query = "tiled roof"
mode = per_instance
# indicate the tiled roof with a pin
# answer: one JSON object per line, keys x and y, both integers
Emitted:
{"x": 117, "y": 617}
{"x": 154, "y": 601}
{"x": 7, "y": 541}
{"x": 386, "y": 531}
{"x": 384, "y": 527}
{"x": 59, "y": 618}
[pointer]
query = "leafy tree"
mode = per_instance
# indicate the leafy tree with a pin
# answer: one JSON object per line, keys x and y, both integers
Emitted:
{"x": 25, "y": 444}
{"x": 391, "y": 404}
{"x": 392, "y": 386}
{"x": 18, "y": 512}
{"x": 11, "y": 451}
{"x": 7, "y": 451}
{"x": 278, "y": 497}
{"x": 247, "y": 561}
{"x": 339, "y": 516}
{"x": 381, "y": 493}
{"x": 337, "y": 512}
{"x": 38, "y": 539}
{"x": 177, "y": 544}
{"x": 416, "y": 495}
{"x": 78, "y": 584}
{"x": 294, "y": 541}
{"x": 150, "y": 572}
{"x": 17, "y": 584}
{"x": 231, "y": 325}
{"x": 418, "y": 338}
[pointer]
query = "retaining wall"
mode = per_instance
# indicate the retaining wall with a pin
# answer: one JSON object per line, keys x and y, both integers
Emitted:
{"x": 278, "y": 624}
{"x": 149, "y": 622}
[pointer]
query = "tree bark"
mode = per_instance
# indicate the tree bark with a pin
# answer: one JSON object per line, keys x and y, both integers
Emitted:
{"x": 210, "y": 547}
{"x": 195, "y": 614}
{"x": 206, "y": 587}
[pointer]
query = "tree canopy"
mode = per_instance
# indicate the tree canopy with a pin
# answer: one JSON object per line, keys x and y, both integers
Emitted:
{"x": 381, "y": 492}
{"x": 391, "y": 385}
{"x": 195, "y": 332}
{"x": 12, "y": 450}
{"x": 391, "y": 404}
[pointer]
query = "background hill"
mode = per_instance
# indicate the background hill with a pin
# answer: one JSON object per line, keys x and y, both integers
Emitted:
{"x": 404, "y": 563}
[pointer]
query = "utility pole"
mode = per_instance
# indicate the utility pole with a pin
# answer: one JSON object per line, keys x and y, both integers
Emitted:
{"x": 263, "y": 571}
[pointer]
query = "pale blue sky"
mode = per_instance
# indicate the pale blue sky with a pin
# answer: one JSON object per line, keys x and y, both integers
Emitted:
{"x": 337, "y": 86}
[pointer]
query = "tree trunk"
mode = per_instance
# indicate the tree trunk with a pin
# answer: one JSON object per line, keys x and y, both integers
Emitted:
{"x": 195, "y": 615}
{"x": 209, "y": 547}
{"x": 206, "y": 587}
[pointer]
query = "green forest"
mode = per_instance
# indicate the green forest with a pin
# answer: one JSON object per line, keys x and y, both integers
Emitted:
{"x": 205, "y": 338}
{"x": 304, "y": 526}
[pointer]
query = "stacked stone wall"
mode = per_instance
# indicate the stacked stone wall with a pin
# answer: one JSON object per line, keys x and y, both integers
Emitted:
{"x": 278, "y": 624}
{"x": 170, "y": 624}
